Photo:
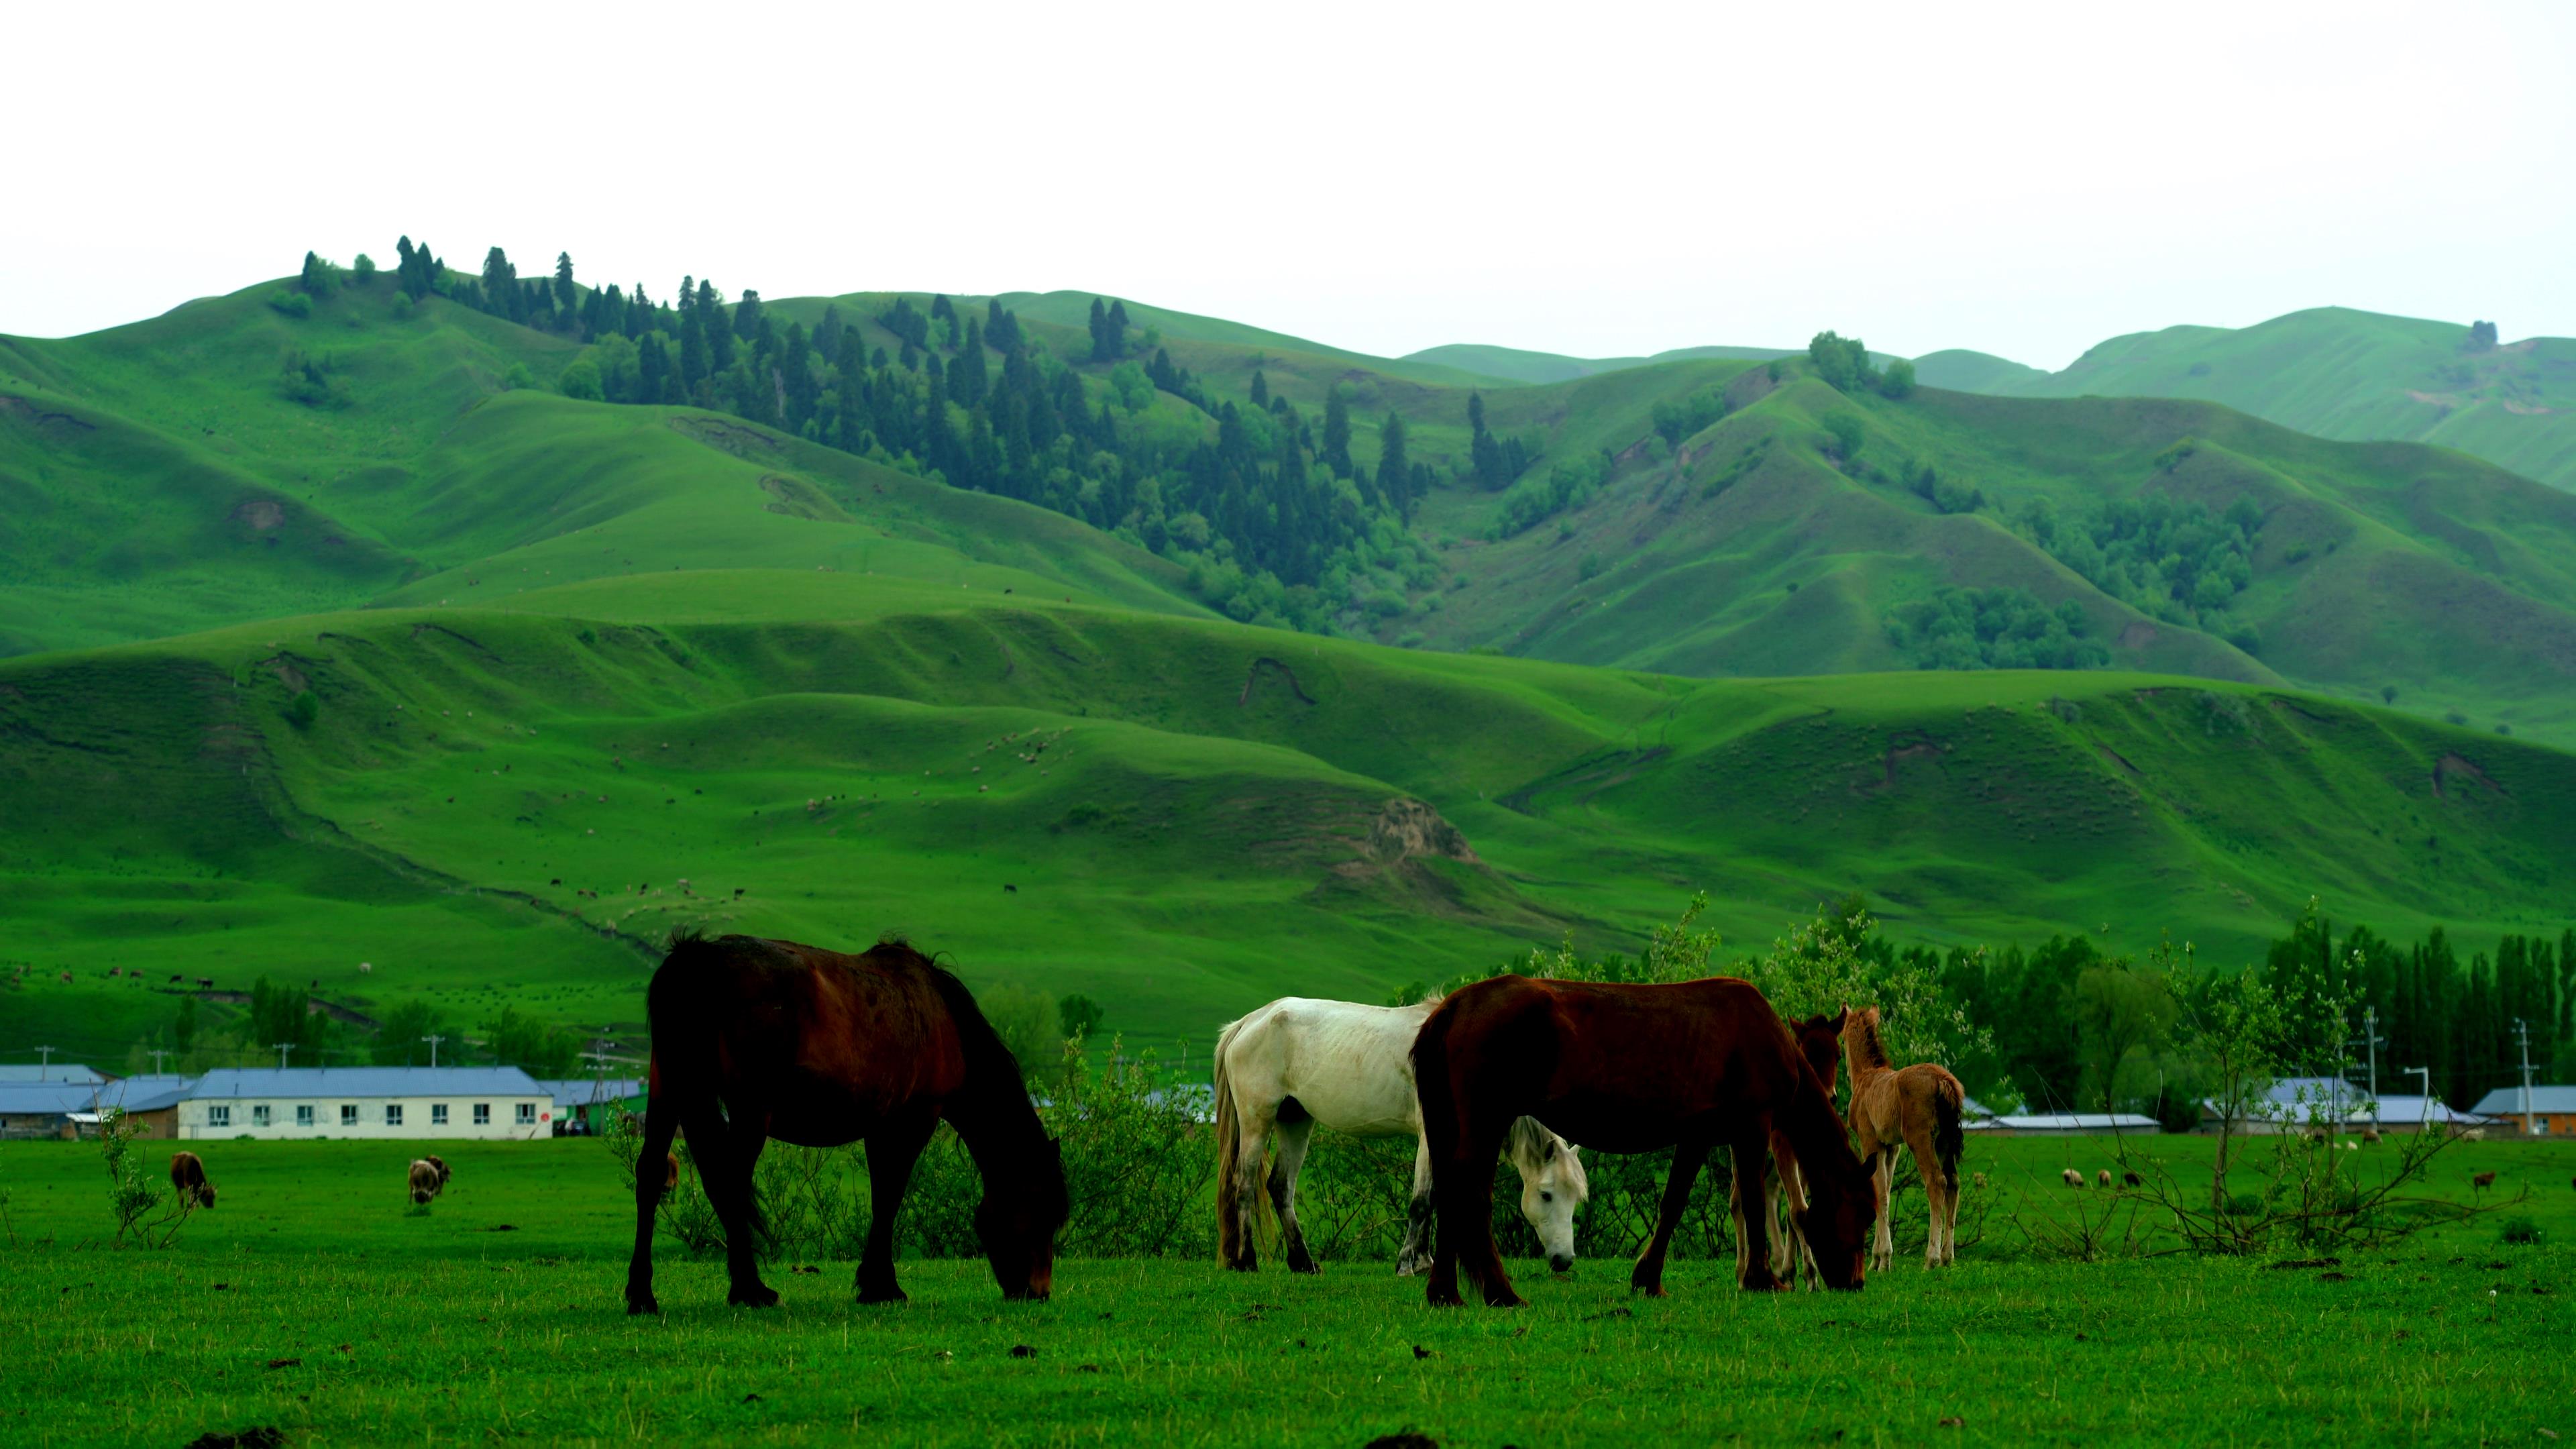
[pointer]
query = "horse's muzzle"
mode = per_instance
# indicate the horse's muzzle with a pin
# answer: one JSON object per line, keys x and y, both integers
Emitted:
{"x": 1561, "y": 1262}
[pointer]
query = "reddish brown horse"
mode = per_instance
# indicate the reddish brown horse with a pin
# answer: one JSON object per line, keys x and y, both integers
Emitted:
{"x": 757, "y": 1039}
{"x": 1694, "y": 1067}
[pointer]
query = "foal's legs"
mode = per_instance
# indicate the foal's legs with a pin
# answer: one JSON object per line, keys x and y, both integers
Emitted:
{"x": 892, "y": 1150}
{"x": 1752, "y": 1238}
{"x": 1648, "y": 1276}
{"x": 661, "y": 1120}
{"x": 1293, "y": 1140}
{"x": 1417, "y": 1219}
{"x": 1882, "y": 1183}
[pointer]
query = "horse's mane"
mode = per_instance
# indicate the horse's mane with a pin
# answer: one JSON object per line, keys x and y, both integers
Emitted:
{"x": 1866, "y": 1045}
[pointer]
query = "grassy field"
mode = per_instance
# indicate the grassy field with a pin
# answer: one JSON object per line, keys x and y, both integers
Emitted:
{"x": 313, "y": 1300}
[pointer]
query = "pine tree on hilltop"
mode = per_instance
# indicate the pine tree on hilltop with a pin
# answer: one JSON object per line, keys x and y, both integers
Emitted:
{"x": 316, "y": 279}
{"x": 746, "y": 315}
{"x": 1336, "y": 451}
{"x": 1260, "y": 389}
{"x": 566, "y": 294}
{"x": 1099, "y": 332}
{"x": 1001, "y": 328}
{"x": 1117, "y": 330}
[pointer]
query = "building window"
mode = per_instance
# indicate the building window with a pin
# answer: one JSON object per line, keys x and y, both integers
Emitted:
{"x": 482, "y": 1114}
{"x": 438, "y": 1114}
{"x": 304, "y": 1115}
{"x": 219, "y": 1116}
{"x": 348, "y": 1114}
{"x": 527, "y": 1114}
{"x": 259, "y": 1115}
{"x": 393, "y": 1114}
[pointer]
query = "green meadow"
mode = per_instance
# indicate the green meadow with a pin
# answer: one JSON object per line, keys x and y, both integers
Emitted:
{"x": 314, "y": 1300}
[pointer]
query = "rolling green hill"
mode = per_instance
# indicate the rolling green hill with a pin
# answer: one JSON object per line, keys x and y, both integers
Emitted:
{"x": 1514, "y": 365}
{"x": 343, "y": 635}
{"x": 2336, "y": 373}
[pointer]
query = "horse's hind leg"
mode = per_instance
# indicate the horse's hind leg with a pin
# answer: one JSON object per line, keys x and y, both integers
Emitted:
{"x": 1882, "y": 1181}
{"x": 1255, "y": 1147}
{"x": 1648, "y": 1276}
{"x": 1752, "y": 1234}
{"x": 1417, "y": 1218}
{"x": 726, "y": 1155}
{"x": 892, "y": 1150}
{"x": 661, "y": 1120}
{"x": 1293, "y": 1140}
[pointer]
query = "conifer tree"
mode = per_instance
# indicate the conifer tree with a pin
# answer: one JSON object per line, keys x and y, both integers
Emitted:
{"x": 693, "y": 352}
{"x": 1260, "y": 389}
{"x": 565, "y": 292}
{"x": 1394, "y": 469}
{"x": 652, "y": 368}
{"x": 1117, "y": 330}
{"x": 746, "y": 315}
{"x": 1336, "y": 451}
{"x": 1099, "y": 332}
{"x": 719, "y": 327}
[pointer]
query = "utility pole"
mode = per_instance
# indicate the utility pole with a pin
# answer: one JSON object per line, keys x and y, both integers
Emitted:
{"x": 157, "y": 1054}
{"x": 2425, "y": 1121}
{"x": 44, "y": 1063}
{"x": 283, "y": 1047}
{"x": 2522, "y": 1034}
{"x": 433, "y": 1048}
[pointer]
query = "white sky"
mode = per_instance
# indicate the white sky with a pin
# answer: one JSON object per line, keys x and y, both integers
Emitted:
{"x": 1596, "y": 179}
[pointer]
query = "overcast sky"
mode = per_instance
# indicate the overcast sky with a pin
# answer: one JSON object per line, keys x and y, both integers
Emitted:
{"x": 1594, "y": 179}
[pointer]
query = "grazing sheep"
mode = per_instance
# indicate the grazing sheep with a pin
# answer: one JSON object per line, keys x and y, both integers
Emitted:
{"x": 2074, "y": 1178}
{"x": 2483, "y": 1181}
{"x": 2105, "y": 1178}
{"x": 2370, "y": 1137}
{"x": 188, "y": 1176}
{"x": 2132, "y": 1179}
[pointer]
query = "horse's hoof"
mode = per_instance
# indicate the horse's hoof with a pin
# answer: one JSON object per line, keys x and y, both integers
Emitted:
{"x": 1507, "y": 1300}
{"x": 891, "y": 1295}
{"x": 1307, "y": 1265}
{"x": 1649, "y": 1290}
{"x": 1248, "y": 1265}
{"x": 645, "y": 1304}
{"x": 758, "y": 1295}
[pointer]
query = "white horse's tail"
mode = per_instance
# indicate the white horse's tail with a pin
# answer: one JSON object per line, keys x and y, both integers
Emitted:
{"x": 1229, "y": 1148}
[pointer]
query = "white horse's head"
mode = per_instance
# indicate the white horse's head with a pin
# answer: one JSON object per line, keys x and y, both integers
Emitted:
{"x": 1552, "y": 1187}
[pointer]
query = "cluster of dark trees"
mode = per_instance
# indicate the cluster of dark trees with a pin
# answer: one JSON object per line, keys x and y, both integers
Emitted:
{"x": 2173, "y": 561}
{"x": 1276, "y": 519}
{"x": 2076, "y": 1029}
{"x": 281, "y": 1014}
{"x": 2004, "y": 628}
{"x": 1843, "y": 362}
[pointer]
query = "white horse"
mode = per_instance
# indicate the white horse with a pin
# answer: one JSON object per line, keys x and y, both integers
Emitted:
{"x": 1298, "y": 1062}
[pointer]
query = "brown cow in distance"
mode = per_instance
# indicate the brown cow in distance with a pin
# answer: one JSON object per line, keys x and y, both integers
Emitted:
{"x": 2483, "y": 1180}
{"x": 428, "y": 1178}
{"x": 670, "y": 1171}
{"x": 188, "y": 1176}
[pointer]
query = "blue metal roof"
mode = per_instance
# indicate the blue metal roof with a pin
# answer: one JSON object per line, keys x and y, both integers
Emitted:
{"x": 270, "y": 1082}
{"x": 582, "y": 1091}
{"x": 134, "y": 1094}
{"x": 2507, "y": 1101}
{"x": 58, "y": 1072}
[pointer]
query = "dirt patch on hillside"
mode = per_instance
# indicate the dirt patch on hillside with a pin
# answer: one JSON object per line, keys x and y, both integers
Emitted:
{"x": 2455, "y": 770}
{"x": 262, "y": 514}
{"x": 49, "y": 422}
{"x": 740, "y": 439}
{"x": 797, "y": 498}
{"x": 1895, "y": 754}
{"x": 1406, "y": 829}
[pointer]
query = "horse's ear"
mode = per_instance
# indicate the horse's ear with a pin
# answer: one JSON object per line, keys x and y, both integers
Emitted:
{"x": 1549, "y": 1154}
{"x": 1841, "y": 1017}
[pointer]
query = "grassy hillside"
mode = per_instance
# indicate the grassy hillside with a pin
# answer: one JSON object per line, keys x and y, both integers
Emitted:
{"x": 2339, "y": 373}
{"x": 511, "y": 804}
{"x": 1515, "y": 365}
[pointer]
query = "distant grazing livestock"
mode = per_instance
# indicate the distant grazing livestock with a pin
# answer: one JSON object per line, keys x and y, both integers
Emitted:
{"x": 2132, "y": 1179}
{"x": 188, "y": 1176}
{"x": 670, "y": 1171}
{"x": 1915, "y": 1107}
{"x": 2073, "y": 1178}
{"x": 428, "y": 1179}
{"x": 1297, "y": 1064}
{"x": 2483, "y": 1181}
{"x": 205, "y": 983}
{"x": 67, "y": 978}
{"x": 1695, "y": 1066}
{"x": 759, "y": 1040}
{"x": 2103, "y": 1178}
{"x": 2370, "y": 1136}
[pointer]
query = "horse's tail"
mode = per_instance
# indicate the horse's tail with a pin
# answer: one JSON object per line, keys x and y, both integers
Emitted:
{"x": 1948, "y": 1141}
{"x": 1229, "y": 1146}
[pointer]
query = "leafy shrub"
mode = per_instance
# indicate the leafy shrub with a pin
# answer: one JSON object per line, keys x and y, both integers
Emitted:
{"x": 312, "y": 380}
{"x": 293, "y": 304}
{"x": 581, "y": 380}
{"x": 303, "y": 709}
{"x": 1533, "y": 500}
{"x": 364, "y": 270}
{"x": 1843, "y": 433}
{"x": 1590, "y": 568}
{"x": 1843, "y": 362}
{"x": 2173, "y": 561}
{"x": 518, "y": 378}
{"x": 2006, "y": 628}
{"x": 2518, "y": 1230}
{"x": 1899, "y": 382}
{"x": 1674, "y": 421}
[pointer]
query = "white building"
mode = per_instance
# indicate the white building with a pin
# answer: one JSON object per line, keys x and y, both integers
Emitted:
{"x": 499, "y": 1103}
{"x": 2065, "y": 1124}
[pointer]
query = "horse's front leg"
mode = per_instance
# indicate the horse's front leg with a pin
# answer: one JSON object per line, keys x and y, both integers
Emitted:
{"x": 1648, "y": 1276}
{"x": 726, "y": 1153}
{"x": 1294, "y": 1138}
{"x": 1417, "y": 1217}
{"x": 892, "y": 1150}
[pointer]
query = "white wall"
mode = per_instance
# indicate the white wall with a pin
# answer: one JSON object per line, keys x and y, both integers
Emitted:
{"x": 196, "y": 1118}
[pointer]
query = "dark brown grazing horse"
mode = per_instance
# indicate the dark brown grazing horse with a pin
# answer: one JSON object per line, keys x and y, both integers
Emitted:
{"x": 756, "y": 1039}
{"x": 188, "y": 1177}
{"x": 1693, "y": 1066}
